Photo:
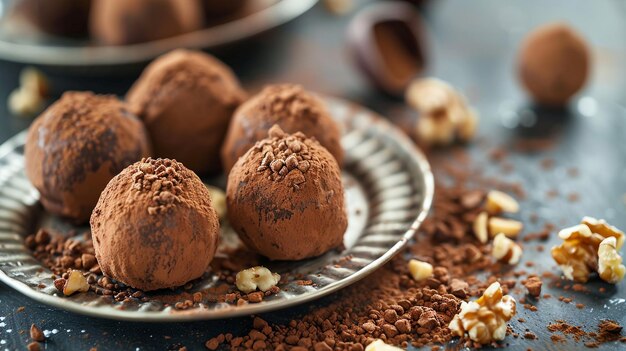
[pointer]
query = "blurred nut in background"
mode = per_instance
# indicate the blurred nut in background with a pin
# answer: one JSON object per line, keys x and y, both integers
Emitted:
{"x": 57, "y": 17}
{"x": 30, "y": 97}
{"x": 387, "y": 41}
{"x": 444, "y": 116}
{"x": 554, "y": 64}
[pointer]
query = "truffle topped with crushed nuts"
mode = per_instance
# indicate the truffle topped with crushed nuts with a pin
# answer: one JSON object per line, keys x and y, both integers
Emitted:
{"x": 278, "y": 191}
{"x": 289, "y": 106}
{"x": 154, "y": 226}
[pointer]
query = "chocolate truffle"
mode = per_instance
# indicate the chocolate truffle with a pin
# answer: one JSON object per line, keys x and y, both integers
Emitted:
{"x": 58, "y": 17}
{"x": 76, "y": 146}
{"x": 121, "y": 22}
{"x": 154, "y": 226}
{"x": 285, "y": 197}
{"x": 186, "y": 100}
{"x": 553, "y": 64}
{"x": 289, "y": 106}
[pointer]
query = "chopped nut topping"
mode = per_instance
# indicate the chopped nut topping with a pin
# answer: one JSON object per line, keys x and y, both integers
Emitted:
{"x": 30, "y": 96}
{"x": 578, "y": 254}
{"x": 499, "y": 202}
{"x": 484, "y": 320}
{"x": 506, "y": 250}
{"x": 420, "y": 270}
{"x": 480, "y": 227}
{"x": 508, "y": 227}
{"x": 379, "y": 345}
{"x": 76, "y": 282}
{"x": 610, "y": 267}
{"x": 444, "y": 114}
{"x": 218, "y": 200}
{"x": 600, "y": 226}
{"x": 248, "y": 280}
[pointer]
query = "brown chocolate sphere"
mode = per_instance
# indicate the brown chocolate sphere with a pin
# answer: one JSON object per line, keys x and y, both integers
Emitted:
{"x": 121, "y": 22}
{"x": 58, "y": 17}
{"x": 553, "y": 64}
{"x": 154, "y": 226}
{"x": 76, "y": 146}
{"x": 186, "y": 100}
{"x": 289, "y": 106}
{"x": 285, "y": 197}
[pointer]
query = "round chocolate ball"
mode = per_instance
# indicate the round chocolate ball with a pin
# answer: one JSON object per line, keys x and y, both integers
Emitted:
{"x": 289, "y": 106}
{"x": 154, "y": 226}
{"x": 76, "y": 146}
{"x": 186, "y": 100}
{"x": 122, "y": 22}
{"x": 285, "y": 197}
{"x": 58, "y": 17}
{"x": 553, "y": 64}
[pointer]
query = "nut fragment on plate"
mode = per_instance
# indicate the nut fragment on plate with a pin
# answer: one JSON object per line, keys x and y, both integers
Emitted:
{"x": 248, "y": 280}
{"x": 578, "y": 255}
{"x": 29, "y": 98}
{"x": 509, "y": 227}
{"x": 480, "y": 227}
{"x": 218, "y": 200}
{"x": 484, "y": 320}
{"x": 420, "y": 270}
{"x": 379, "y": 345}
{"x": 76, "y": 282}
{"x": 610, "y": 267}
{"x": 506, "y": 250}
{"x": 499, "y": 202}
{"x": 444, "y": 114}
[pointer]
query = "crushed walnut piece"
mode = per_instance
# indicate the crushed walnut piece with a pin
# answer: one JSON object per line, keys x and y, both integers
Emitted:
{"x": 76, "y": 282}
{"x": 485, "y": 319}
{"x": 499, "y": 202}
{"x": 379, "y": 345}
{"x": 218, "y": 200}
{"x": 420, "y": 270}
{"x": 506, "y": 250}
{"x": 509, "y": 227}
{"x": 30, "y": 97}
{"x": 610, "y": 267}
{"x": 578, "y": 255}
{"x": 248, "y": 280}
{"x": 480, "y": 227}
{"x": 444, "y": 113}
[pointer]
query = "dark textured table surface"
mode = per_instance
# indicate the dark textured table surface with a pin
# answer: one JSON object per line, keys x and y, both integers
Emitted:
{"x": 473, "y": 46}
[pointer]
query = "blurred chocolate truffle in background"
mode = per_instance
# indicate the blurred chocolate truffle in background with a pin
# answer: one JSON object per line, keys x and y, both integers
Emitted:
{"x": 186, "y": 100}
{"x": 387, "y": 42}
{"x": 289, "y": 106}
{"x": 76, "y": 146}
{"x": 554, "y": 64}
{"x": 56, "y": 17}
{"x": 154, "y": 226}
{"x": 120, "y": 22}
{"x": 215, "y": 9}
{"x": 285, "y": 197}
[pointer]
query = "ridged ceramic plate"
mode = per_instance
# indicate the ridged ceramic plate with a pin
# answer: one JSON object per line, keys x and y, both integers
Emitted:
{"x": 389, "y": 188}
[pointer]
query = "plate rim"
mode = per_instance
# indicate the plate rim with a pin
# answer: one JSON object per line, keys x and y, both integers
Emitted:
{"x": 80, "y": 56}
{"x": 113, "y": 313}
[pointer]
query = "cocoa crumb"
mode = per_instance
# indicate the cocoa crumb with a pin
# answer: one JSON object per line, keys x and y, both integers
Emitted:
{"x": 36, "y": 334}
{"x": 533, "y": 285}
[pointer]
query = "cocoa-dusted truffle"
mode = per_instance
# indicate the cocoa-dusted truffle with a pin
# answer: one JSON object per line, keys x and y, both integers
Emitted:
{"x": 76, "y": 146}
{"x": 186, "y": 100}
{"x": 554, "y": 64}
{"x": 285, "y": 197}
{"x": 121, "y": 22}
{"x": 154, "y": 226}
{"x": 289, "y": 106}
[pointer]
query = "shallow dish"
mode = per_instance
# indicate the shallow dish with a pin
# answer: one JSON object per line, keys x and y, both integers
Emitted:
{"x": 46, "y": 50}
{"x": 389, "y": 189}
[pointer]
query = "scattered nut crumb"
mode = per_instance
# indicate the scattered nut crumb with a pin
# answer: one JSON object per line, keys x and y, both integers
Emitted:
{"x": 379, "y": 345}
{"x": 218, "y": 200}
{"x": 506, "y": 250}
{"x": 610, "y": 267}
{"x": 36, "y": 334}
{"x": 76, "y": 282}
{"x": 248, "y": 280}
{"x": 29, "y": 98}
{"x": 509, "y": 227}
{"x": 533, "y": 285}
{"x": 480, "y": 227}
{"x": 499, "y": 202}
{"x": 420, "y": 270}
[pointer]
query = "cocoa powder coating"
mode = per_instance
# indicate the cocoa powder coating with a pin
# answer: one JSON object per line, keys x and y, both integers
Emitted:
{"x": 554, "y": 64}
{"x": 285, "y": 197}
{"x": 122, "y": 22}
{"x": 76, "y": 146}
{"x": 186, "y": 99}
{"x": 154, "y": 226}
{"x": 290, "y": 107}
